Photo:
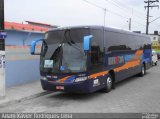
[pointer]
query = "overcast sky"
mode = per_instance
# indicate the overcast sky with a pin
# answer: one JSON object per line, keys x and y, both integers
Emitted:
{"x": 79, "y": 12}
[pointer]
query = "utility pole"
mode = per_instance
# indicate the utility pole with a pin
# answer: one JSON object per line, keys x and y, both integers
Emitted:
{"x": 2, "y": 50}
{"x": 130, "y": 24}
{"x": 150, "y": 5}
{"x": 105, "y": 10}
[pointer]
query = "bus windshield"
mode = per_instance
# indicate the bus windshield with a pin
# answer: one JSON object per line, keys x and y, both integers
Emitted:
{"x": 62, "y": 51}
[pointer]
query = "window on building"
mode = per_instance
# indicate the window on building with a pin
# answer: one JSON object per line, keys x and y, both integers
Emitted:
{"x": 154, "y": 38}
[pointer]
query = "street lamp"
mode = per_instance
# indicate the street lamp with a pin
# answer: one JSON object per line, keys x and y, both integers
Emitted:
{"x": 105, "y": 10}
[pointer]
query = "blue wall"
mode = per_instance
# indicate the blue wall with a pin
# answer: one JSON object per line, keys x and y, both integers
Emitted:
{"x": 21, "y": 67}
{"x": 21, "y": 37}
{"x": 21, "y": 72}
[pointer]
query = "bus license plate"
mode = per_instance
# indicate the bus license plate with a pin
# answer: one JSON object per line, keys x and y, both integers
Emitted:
{"x": 59, "y": 87}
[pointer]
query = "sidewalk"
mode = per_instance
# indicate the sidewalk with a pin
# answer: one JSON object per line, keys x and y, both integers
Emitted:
{"x": 22, "y": 92}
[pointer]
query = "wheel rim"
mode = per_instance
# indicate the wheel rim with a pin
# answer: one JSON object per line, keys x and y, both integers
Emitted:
{"x": 109, "y": 82}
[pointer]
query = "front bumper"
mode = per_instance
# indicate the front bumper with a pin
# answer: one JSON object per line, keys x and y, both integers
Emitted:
{"x": 80, "y": 87}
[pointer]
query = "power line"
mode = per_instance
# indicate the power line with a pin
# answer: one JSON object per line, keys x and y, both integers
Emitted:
{"x": 154, "y": 19}
{"x": 103, "y": 8}
{"x": 113, "y": 3}
{"x": 138, "y": 16}
{"x": 115, "y": 13}
{"x": 123, "y": 8}
{"x": 94, "y": 4}
{"x": 127, "y": 7}
{"x": 139, "y": 23}
{"x": 129, "y": 10}
{"x": 149, "y": 5}
{"x": 118, "y": 14}
{"x": 122, "y": 4}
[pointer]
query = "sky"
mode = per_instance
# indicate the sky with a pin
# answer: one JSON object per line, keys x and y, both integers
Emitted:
{"x": 83, "y": 12}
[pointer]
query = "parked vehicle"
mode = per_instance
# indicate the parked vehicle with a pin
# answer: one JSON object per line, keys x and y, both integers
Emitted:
{"x": 90, "y": 58}
{"x": 158, "y": 54}
{"x": 154, "y": 58}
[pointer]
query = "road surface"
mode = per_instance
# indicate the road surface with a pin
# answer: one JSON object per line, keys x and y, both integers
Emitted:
{"x": 136, "y": 94}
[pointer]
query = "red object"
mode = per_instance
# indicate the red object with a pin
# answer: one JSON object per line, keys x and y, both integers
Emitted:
{"x": 117, "y": 60}
{"x": 60, "y": 87}
{"x": 27, "y": 27}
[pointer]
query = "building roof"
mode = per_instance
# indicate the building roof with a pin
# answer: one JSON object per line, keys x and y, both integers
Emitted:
{"x": 24, "y": 27}
{"x": 41, "y": 24}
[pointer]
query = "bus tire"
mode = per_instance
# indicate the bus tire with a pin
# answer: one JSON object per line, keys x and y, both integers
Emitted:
{"x": 109, "y": 84}
{"x": 143, "y": 70}
{"x": 155, "y": 63}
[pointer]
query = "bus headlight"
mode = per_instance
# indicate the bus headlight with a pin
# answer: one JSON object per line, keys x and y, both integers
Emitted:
{"x": 43, "y": 78}
{"x": 80, "y": 79}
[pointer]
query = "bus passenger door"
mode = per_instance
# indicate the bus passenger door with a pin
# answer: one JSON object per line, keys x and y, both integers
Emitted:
{"x": 97, "y": 66}
{"x": 95, "y": 55}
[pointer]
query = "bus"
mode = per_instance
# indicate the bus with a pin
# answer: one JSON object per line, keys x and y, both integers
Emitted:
{"x": 85, "y": 59}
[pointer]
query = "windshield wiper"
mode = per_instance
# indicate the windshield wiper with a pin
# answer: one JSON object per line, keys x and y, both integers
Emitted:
{"x": 66, "y": 37}
{"x": 71, "y": 42}
{"x": 56, "y": 57}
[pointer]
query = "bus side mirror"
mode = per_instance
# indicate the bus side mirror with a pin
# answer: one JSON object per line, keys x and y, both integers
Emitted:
{"x": 86, "y": 42}
{"x": 33, "y": 46}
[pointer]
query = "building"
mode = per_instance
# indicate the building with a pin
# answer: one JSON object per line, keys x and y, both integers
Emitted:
{"x": 21, "y": 67}
{"x": 48, "y": 26}
{"x": 22, "y": 34}
{"x": 155, "y": 38}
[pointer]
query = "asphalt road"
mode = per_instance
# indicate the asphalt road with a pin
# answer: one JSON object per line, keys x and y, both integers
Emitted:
{"x": 136, "y": 94}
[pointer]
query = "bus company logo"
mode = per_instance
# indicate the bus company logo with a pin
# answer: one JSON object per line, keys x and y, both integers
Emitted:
{"x": 55, "y": 77}
{"x": 96, "y": 83}
{"x": 48, "y": 76}
{"x": 82, "y": 75}
{"x": 115, "y": 60}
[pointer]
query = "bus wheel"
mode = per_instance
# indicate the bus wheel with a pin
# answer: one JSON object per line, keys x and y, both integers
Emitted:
{"x": 155, "y": 63}
{"x": 109, "y": 83}
{"x": 143, "y": 70}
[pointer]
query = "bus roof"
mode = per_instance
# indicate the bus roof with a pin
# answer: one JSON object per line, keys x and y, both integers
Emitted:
{"x": 101, "y": 27}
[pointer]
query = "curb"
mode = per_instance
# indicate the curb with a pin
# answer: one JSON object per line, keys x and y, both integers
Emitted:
{"x": 10, "y": 102}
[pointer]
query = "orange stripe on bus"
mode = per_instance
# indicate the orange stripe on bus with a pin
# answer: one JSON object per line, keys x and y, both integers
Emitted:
{"x": 134, "y": 62}
{"x": 98, "y": 74}
{"x": 127, "y": 65}
{"x": 63, "y": 79}
{"x": 139, "y": 52}
{"x": 131, "y": 63}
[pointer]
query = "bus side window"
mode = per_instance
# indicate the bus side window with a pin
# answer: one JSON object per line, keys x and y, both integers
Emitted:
{"x": 95, "y": 55}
